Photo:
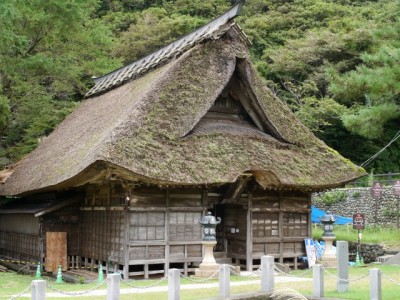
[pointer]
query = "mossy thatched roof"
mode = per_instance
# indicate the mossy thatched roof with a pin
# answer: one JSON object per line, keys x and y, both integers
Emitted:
{"x": 152, "y": 129}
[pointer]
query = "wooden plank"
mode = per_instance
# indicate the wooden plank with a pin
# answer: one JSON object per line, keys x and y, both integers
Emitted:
{"x": 56, "y": 251}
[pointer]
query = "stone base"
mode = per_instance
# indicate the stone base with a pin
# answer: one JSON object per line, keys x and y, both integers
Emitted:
{"x": 328, "y": 262}
{"x": 206, "y": 269}
{"x": 206, "y": 273}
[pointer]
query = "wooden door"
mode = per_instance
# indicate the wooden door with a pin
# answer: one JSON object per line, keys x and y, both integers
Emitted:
{"x": 56, "y": 251}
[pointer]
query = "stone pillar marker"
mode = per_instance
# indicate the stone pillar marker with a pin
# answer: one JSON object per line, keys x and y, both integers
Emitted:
{"x": 38, "y": 290}
{"x": 318, "y": 281}
{"x": 174, "y": 284}
{"x": 113, "y": 286}
{"x": 342, "y": 250}
{"x": 208, "y": 266}
{"x": 267, "y": 273}
{"x": 224, "y": 281}
{"x": 375, "y": 284}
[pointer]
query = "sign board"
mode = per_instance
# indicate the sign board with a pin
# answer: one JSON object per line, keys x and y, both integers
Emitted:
{"x": 56, "y": 251}
{"x": 396, "y": 188}
{"x": 376, "y": 190}
{"x": 358, "y": 221}
{"x": 310, "y": 250}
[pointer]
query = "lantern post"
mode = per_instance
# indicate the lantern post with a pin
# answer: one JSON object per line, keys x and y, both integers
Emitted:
{"x": 396, "y": 192}
{"x": 328, "y": 259}
{"x": 208, "y": 266}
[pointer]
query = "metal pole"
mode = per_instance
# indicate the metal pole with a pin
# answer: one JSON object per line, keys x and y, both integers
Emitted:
{"x": 267, "y": 273}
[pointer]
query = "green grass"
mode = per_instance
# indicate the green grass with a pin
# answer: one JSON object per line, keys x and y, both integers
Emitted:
{"x": 387, "y": 236}
{"x": 11, "y": 284}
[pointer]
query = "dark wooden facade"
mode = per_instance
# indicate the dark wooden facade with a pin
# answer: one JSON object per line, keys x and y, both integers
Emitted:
{"x": 146, "y": 230}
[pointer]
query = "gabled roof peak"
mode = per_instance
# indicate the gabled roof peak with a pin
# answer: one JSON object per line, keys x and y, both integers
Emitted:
{"x": 212, "y": 30}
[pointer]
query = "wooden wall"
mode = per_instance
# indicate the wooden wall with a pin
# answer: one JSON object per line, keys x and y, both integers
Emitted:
{"x": 19, "y": 237}
{"x": 145, "y": 231}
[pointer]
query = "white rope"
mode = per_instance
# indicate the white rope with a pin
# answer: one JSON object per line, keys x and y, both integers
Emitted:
{"x": 21, "y": 293}
{"x": 147, "y": 286}
{"x": 200, "y": 280}
{"x": 80, "y": 293}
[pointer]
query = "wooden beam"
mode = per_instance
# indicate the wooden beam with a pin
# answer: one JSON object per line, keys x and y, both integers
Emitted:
{"x": 249, "y": 235}
{"x": 235, "y": 190}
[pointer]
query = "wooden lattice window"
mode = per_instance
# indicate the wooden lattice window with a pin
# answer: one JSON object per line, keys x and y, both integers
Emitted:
{"x": 184, "y": 226}
{"x": 265, "y": 224}
{"x": 147, "y": 226}
{"x": 295, "y": 224}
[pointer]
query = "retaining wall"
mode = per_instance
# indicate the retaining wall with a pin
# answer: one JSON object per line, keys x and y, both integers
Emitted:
{"x": 378, "y": 211}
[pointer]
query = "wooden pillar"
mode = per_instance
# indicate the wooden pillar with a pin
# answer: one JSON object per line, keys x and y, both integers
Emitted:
{"x": 166, "y": 232}
{"x": 280, "y": 228}
{"x": 249, "y": 234}
{"x": 126, "y": 245}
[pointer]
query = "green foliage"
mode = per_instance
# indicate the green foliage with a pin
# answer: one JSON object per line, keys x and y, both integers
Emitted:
{"x": 48, "y": 50}
{"x": 330, "y": 198}
{"x": 154, "y": 29}
{"x": 334, "y": 62}
{"x": 5, "y": 111}
{"x": 369, "y": 121}
{"x": 316, "y": 113}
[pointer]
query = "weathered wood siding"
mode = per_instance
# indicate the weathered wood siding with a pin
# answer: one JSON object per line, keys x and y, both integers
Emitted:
{"x": 145, "y": 231}
{"x": 19, "y": 237}
{"x": 281, "y": 221}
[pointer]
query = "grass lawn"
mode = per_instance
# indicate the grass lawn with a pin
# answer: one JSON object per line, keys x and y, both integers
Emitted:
{"x": 11, "y": 284}
{"x": 387, "y": 236}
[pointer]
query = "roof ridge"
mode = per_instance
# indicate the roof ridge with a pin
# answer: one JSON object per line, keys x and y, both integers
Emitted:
{"x": 138, "y": 67}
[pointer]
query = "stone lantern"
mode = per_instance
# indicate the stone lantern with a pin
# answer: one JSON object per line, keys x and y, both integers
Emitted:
{"x": 208, "y": 266}
{"x": 328, "y": 259}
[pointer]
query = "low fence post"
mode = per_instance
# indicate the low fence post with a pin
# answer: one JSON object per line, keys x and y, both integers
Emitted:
{"x": 38, "y": 290}
{"x": 113, "y": 286}
{"x": 174, "y": 284}
{"x": 267, "y": 273}
{"x": 375, "y": 284}
{"x": 318, "y": 281}
{"x": 224, "y": 281}
{"x": 342, "y": 253}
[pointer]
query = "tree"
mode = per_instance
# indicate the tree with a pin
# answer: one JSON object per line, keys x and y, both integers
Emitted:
{"x": 48, "y": 51}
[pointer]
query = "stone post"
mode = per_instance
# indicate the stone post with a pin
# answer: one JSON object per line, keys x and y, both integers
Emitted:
{"x": 318, "y": 281}
{"x": 224, "y": 281}
{"x": 113, "y": 286}
{"x": 38, "y": 290}
{"x": 342, "y": 251}
{"x": 267, "y": 273}
{"x": 375, "y": 284}
{"x": 174, "y": 284}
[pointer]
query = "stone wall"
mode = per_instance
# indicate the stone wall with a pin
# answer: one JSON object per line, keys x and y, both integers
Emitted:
{"x": 348, "y": 201}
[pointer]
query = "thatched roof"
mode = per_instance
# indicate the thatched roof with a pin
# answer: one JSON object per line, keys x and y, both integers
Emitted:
{"x": 154, "y": 129}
